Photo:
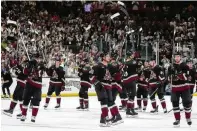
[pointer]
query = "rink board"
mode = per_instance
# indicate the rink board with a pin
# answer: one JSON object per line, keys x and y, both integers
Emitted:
{"x": 71, "y": 89}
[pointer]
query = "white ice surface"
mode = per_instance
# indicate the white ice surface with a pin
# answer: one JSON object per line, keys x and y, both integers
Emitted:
{"x": 68, "y": 119}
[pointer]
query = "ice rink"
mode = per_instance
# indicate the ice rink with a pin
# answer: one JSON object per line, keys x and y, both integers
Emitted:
{"x": 69, "y": 119}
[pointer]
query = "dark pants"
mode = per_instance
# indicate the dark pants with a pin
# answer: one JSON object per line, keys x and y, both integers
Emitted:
{"x": 32, "y": 93}
{"x": 131, "y": 90}
{"x": 18, "y": 93}
{"x": 159, "y": 92}
{"x": 186, "y": 101}
{"x": 123, "y": 93}
{"x": 53, "y": 88}
{"x": 83, "y": 92}
{"x": 141, "y": 91}
{"x": 6, "y": 86}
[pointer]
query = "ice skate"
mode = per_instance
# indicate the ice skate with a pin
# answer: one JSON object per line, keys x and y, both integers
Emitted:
{"x": 189, "y": 122}
{"x": 86, "y": 108}
{"x": 45, "y": 106}
{"x": 144, "y": 109}
{"x": 104, "y": 122}
{"x": 57, "y": 106}
{"x": 8, "y": 112}
{"x": 122, "y": 108}
{"x": 176, "y": 123}
{"x": 154, "y": 111}
{"x": 165, "y": 111}
{"x": 3, "y": 96}
{"x": 19, "y": 116}
{"x": 138, "y": 109}
{"x": 117, "y": 120}
{"x": 23, "y": 118}
{"x": 33, "y": 119}
{"x": 80, "y": 108}
{"x": 131, "y": 113}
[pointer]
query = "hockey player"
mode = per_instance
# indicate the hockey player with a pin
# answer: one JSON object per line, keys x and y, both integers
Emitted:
{"x": 18, "y": 92}
{"x": 115, "y": 72}
{"x": 6, "y": 79}
{"x": 156, "y": 81}
{"x": 84, "y": 74}
{"x": 195, "y": 66}
{"x": 129, "y": 82}
{"x": 180, "y": 89}
{"x": 142, "y": 90}
{"x": 123, "y": 93}
{"x": 191, "y": 76}
{"x": 101, "y": 79}
{"x": 33, "y": 87}
{"x": 56, "y": 84}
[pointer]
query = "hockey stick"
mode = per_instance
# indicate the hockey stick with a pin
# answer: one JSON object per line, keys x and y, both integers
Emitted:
{"x": 153, "y": 93}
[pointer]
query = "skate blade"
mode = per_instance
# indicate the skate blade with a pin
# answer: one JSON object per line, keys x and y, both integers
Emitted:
{"x": 22, "y": 120}
{"x": 57, "y": 108}
{"x": 131, "y": 116}
{"x": 155, "y": 113}
{"x": 122, "y": 110}
{"x": 80, "y": 109}
{"x": 18, "y": 117}
{"x": 176, "y": 126}
{"x": 7, "y": 114}
{"x": 118, "y": 122}
{"x": 86, "y": 110}
{"x": 104, "y": 125}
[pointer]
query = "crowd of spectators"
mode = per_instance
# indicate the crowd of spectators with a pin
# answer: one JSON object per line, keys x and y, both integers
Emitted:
{"x": 74, "y": 30}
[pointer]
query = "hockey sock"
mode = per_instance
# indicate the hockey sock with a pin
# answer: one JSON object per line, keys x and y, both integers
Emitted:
{"x": 154, "y": 104}
{"x": 187, "y": 112}
{"x": 163, "y": 103}
{"x": 86, "y": 103}
{"x": 130, "y": 104}
{"x": 58, "y": 98}
{"x": 145, "y": 102}
{"x": 35, "y": 110}
{"x": 13, "y": 104}
{"x": 114, "y": 110}
{"x": 139, "y": 102}
{"x": 177, "y": 113}
{"x": 124, "y": 102}
{"x": 81, "y": 101}
{"x": 24, "y": 110}
{"x": 21, "y": 105}
{"x": 47, "y": 99}
{"x": 104, "y": 111}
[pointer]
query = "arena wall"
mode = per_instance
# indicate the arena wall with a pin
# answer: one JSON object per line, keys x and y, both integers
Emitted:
{"x": 71, "y": 89}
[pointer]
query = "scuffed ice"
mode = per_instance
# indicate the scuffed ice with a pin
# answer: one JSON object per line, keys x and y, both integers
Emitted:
{"x": 69, "y": 119}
